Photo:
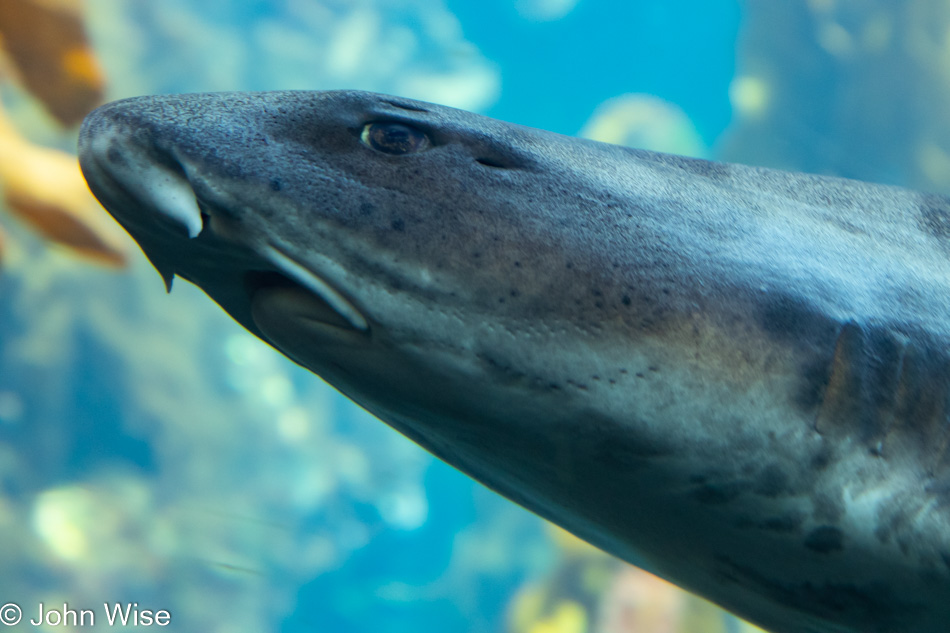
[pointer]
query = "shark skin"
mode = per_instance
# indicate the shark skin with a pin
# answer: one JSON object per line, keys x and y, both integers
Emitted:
{"x": 735, "y": 377}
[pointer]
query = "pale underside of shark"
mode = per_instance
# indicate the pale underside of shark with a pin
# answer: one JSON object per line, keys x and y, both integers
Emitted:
{"x": 734, "y": 376}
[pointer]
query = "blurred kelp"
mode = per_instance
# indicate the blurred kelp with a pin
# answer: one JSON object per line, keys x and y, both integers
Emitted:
{"x": 855, "y": 88}
{"x": 645, "y": 122}
{"x": 49, "y": 56}
{"x": 414, "y": 48}
{"x": 47, "y": 45}
{"x": 43, "y": 187}
{"x": 591, "y": 592}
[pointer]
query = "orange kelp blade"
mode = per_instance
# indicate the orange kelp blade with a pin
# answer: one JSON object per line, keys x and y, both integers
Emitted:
{"x": 48, "y": 46}
{"x": 45, "y": 188}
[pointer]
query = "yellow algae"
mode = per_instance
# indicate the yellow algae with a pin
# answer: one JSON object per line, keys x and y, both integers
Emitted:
{"x": 645, "y": 122}
{"x": 749, "y": 96}
{"x": 59, "y": 518}
{"x": 525, "y": 608}
{"x": 568, "y": 617}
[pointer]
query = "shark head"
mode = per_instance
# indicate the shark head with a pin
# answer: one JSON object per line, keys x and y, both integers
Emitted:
{"x": 733, "y": 376}
{"x": 401, "y": 250}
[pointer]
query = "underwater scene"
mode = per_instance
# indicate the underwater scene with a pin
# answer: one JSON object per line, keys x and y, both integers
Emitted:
{"x": 162, "y": 467}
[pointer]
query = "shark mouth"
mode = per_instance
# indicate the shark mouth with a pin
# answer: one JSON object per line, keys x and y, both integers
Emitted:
{"x": 308, "y": 292}
{"x": 181, "y": 224}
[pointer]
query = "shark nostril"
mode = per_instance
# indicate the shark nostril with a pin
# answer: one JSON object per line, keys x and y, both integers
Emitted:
{"x": 488, "y": 162}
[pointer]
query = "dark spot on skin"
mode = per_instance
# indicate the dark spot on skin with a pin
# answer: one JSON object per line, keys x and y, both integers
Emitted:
{"x": 935, "y": 215}
{"x": 653, "y": 368}
{"x": 517, "y": 264}
{"x": 785, "y": 524}
{"x": 825, "y": 539}
{"x": 515, "y": 293}
{"x": 718, "y": 494}
{"x": 625, "y": 300}
{"x": 771, "y": 483}
{"x": 275, "y": 184}
{"x": 367, "y": 208}
{"x": 115, "y": 156}
{"x": 569, "y": 265}
{"x": 822, "y": 457}
{"x": 398, "y": 224}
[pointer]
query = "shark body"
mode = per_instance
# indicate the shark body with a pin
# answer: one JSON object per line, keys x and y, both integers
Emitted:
{"x": 734, "y": 376}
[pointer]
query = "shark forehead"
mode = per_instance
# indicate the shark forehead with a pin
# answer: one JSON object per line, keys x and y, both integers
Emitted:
{"x": 736, "y": 376}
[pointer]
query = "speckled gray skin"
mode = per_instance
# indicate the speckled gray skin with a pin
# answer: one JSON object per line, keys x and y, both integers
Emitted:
{"x": 736, "y": 377}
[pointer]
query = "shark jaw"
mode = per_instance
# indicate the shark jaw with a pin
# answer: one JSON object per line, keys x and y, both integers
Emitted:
{"x": 127, "y": 177}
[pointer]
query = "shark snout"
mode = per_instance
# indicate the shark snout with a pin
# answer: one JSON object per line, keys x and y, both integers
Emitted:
{"x": 176, "y": 211}
{"x": 121, "y": 163}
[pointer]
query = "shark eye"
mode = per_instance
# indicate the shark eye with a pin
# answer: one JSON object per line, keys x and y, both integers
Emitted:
{"x": 394, "y": 138}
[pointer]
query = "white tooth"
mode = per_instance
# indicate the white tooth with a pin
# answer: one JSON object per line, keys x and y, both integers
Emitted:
{"x": 311, "y": 281}
{"x": 172, "y": 195}
{"x": 164, "y": 188}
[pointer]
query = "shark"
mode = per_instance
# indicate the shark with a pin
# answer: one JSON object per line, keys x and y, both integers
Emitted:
{"x": 733, "y": 376}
